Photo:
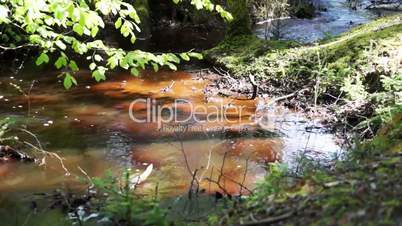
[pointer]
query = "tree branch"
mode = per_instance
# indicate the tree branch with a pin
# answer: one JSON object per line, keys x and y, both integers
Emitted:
{"x": 6, "y": 48}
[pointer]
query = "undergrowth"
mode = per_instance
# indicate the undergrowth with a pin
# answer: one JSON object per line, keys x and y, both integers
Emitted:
{"x": 358, "y": 75}
{"x": 362, "y": 189}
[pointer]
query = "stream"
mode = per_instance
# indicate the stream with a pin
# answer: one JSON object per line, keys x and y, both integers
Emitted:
{"x": 165, "y": 118}
{"x": 337, "y": 18}
{"x": 91, "y": 129}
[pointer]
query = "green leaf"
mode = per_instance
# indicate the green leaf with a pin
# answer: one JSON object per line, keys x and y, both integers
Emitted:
{"x": 92, "y": 66}
{"x": 196, "y": 55}
{"x": 133, "y": 39}
{"x": 94, "y": 31}
{"x": 43, "y": 58}
{"x": 99, "y": 75}
{"x": 78, "y": 29}
{"x": 185, "y": 56}
{"x": 4, "y": 13}
{"x": 61, "y": 62}
{"x": 118, "y": 23}
{"x": 134, "y": 71}
{"x": 69, "y": 81}
{"x": 61, "y": 45}
{"x": 172, "y": 66}
{"x": 155, "y": 66}
{"x": 98, "y": 58}
{"x": 73, "y": 66}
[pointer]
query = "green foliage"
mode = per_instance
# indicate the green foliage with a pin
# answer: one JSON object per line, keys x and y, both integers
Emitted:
{"x": 357, "y": 190}
{"x": 58, "y": 27}
{"x": 3, "y": 128}
{"x": 123, "y": 206}
{"x": 273, "y": 183}
{"x": 5, "y": 137}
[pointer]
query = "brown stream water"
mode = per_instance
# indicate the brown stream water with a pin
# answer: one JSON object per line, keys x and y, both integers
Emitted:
{"x": 91, "y": 128}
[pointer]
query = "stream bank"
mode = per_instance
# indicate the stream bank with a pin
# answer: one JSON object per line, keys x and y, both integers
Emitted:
{"x": 354, "y": 80}
{"x": 320, "y": 75}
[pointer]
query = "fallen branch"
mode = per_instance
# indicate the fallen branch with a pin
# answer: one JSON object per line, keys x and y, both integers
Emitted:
{"x": 286, "y": 96}
{"x": 8, "y": 153}
{"x": 45, "y": 153}
{"x": 270, "y": 220}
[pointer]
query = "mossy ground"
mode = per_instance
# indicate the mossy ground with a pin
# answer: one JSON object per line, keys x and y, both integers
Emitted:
{"x": 360, "y": 67}
{"x": 247, "y": 54}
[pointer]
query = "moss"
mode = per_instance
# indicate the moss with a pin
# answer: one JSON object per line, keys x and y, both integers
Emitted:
{"x": 236, "y": 52}
{"x": 245, "y": 55}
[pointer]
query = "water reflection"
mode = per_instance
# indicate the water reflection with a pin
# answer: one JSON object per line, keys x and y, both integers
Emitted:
{"x": 91, "y": 128}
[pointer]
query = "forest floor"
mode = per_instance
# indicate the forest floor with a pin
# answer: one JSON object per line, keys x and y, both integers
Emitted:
{"x": 356, "y": 77}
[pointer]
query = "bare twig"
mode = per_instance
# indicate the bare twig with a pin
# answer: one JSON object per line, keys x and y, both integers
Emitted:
{"x": 86, "y": 174}
{"x": 6, "y": 48}
{"x": 45, "y": 153}
{"x": 270, "y": 220}
{"x": 244, "y": 176}
{"x": 286, "y": 96}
